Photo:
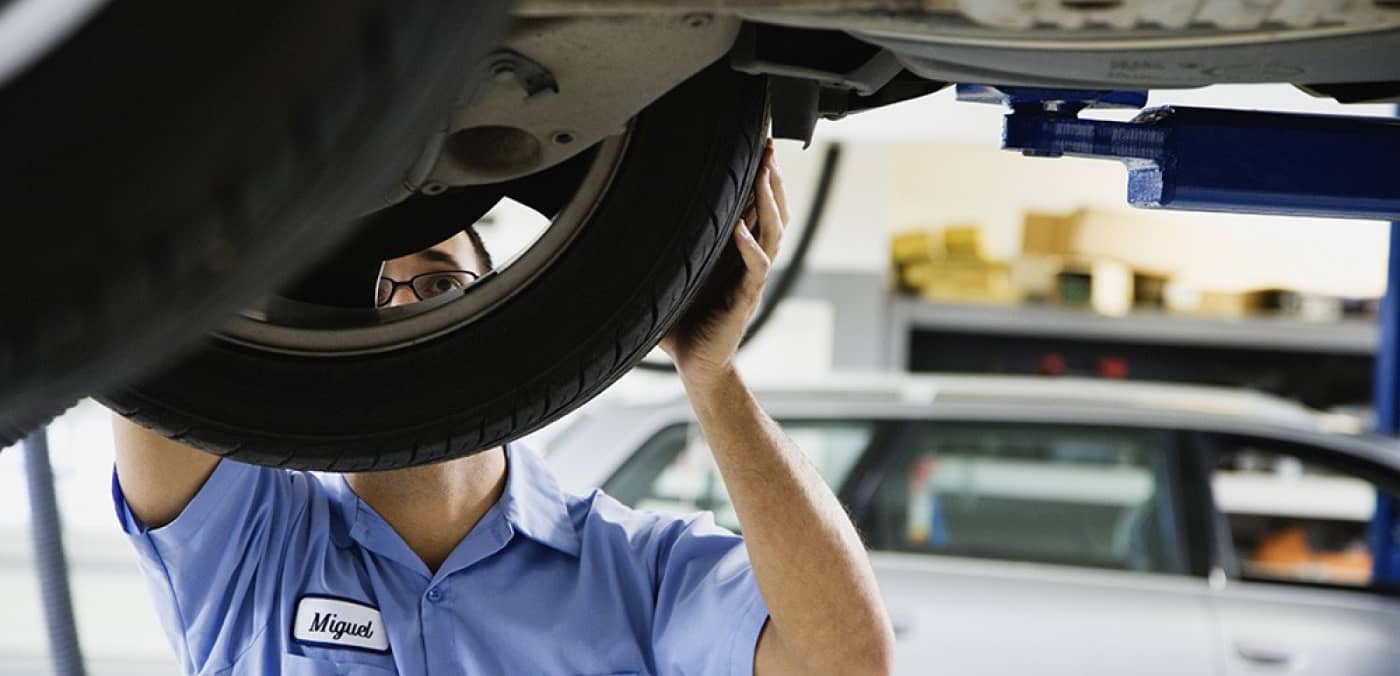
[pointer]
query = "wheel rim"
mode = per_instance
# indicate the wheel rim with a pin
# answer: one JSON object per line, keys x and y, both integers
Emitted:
{"x": 286, "y": 326}
{"x": 31, "y": 29}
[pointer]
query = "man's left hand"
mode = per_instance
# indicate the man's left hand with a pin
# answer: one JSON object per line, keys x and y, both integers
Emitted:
{"x": 705, "y": 354}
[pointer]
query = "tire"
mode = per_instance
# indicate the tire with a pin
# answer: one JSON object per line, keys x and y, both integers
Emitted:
{"x": 172, "y": 160}
{"x": 659, "y": 230}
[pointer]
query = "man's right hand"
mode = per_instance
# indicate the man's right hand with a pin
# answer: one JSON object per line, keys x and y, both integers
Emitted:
{"x": 158, "y": 476}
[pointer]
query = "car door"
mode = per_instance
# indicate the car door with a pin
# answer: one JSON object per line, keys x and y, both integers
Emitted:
{"x": 1006, "y": 548}
{"x": 1297, "y": 594}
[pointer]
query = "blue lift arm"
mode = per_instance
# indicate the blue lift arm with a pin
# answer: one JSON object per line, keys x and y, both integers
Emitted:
{"x": 1203, "y": 159}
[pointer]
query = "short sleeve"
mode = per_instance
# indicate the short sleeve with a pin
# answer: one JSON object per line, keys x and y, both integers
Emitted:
{"x": 706, "y": 588}
{"x": 213, "y": 571}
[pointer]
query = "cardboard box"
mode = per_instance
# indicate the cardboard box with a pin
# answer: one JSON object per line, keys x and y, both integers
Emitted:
{"x": 1149, "y": 290}
{"x": 1035, "y": 276}
{"x": 963, "y": 241}
{"x": 918, "y": 246}
{"x": 913, "y": 276}
{"x": 966, "y": 281}
{"x": 1222, "y": 303}
{"x": 1050, "y": 234}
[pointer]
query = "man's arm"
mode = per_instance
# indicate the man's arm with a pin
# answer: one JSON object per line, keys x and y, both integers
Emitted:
{"x": 825, "y": 612}
{"x": 826, "y": 616}
{"x": 158, "y": 476}
{"x": 203, "y": 568}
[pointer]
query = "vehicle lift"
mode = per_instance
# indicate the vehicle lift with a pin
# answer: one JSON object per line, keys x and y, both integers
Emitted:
{"x": 1177, "y": 158}
{"x": 1203, "y": 159}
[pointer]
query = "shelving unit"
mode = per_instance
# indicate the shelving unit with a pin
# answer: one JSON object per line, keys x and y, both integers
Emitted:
{"x": 1322, "y": 364}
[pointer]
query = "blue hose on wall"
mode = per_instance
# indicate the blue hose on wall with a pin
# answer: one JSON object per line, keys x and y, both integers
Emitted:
{"x": 49, "y": 562}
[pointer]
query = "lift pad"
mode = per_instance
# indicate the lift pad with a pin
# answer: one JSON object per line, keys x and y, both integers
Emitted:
{"x": 1204, "y": 159}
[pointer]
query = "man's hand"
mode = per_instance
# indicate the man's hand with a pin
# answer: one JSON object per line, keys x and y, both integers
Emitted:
{"x": 705, "y": 353}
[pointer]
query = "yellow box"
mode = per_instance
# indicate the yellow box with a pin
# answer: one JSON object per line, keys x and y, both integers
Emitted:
{"x": 917, "y": 246}
{"x": 963, "y": 241}
{"x": 979, "y": 281}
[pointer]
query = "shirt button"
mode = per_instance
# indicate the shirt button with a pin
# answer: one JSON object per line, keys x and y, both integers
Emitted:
{"x": 434, "y": 595}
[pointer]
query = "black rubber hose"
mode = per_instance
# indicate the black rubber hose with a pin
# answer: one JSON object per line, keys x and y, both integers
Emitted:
{"x": 49, "y": 561}
{"x": 785, "y": 279}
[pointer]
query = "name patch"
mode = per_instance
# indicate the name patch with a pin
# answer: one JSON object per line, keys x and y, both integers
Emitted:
{"x": 337, "y": 622}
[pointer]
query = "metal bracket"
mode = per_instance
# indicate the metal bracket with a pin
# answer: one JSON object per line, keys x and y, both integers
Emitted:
{"x": 508, "y": 65}
{"x": 1220, "y": 160}
{"x": 1065, "y": 101}
{"x": 864, "y": 78}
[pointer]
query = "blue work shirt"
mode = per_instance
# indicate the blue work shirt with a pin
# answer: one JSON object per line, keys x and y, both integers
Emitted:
{"x": 270, "y": 571}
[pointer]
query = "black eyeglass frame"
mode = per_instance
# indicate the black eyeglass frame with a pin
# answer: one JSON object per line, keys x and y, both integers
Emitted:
{"x": 395, "y": 284}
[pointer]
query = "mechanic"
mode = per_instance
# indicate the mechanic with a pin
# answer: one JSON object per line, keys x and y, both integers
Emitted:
{"x": 481, "y": 565}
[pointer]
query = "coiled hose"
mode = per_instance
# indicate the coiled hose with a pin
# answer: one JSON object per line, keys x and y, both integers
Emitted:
{"x": 50, "y": 563}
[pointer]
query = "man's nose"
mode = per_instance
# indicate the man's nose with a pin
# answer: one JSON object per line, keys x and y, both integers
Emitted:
{"x": 402, "y": 296}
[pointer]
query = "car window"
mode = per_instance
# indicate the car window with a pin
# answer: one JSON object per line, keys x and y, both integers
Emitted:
{"x": 1292, "y": 519}
{"x": 674, "y": 471}
{"x": 1045, "y": 493}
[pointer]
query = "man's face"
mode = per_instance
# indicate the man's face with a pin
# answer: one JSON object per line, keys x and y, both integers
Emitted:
{"x": 432, "y": 268}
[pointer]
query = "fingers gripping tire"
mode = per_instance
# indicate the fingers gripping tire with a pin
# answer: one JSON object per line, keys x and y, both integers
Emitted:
{"x": 630, "y": 271}
{"x": 172, "y": 160}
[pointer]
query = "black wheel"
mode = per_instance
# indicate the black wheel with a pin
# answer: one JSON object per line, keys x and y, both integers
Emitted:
{"x": 650, "y": 219}
{"x": 169, "y": 161}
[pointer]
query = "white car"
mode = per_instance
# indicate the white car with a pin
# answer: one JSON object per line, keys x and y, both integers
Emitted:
{"x": 1047, "y": 526}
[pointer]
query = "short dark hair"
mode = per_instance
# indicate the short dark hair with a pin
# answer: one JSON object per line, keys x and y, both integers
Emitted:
{"x": 480, "y": 247}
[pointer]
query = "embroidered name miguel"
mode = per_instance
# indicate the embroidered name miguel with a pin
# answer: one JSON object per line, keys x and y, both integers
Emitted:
{"x": 338, "y": 628}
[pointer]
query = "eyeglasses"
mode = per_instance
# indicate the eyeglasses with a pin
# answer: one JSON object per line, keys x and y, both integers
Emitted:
{"x": 426, "y": 285}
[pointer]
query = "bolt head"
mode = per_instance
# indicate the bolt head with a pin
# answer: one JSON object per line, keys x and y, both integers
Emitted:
{"x": 503, "y": 71}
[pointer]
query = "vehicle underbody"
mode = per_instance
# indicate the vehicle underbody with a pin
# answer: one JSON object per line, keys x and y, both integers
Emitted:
{"x": 572, "y": 73}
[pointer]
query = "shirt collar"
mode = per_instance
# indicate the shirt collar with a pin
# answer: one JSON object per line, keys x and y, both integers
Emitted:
{"x": 532, "y": 503}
